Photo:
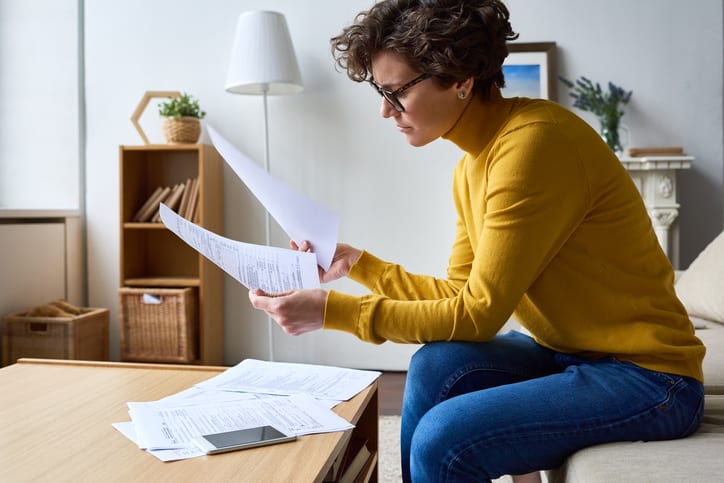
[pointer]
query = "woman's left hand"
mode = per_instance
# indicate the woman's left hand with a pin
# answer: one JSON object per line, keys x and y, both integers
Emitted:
{"x": 296, "y": 312}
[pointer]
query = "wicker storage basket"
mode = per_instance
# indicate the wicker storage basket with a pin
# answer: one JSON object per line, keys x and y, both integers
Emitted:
{"x": 181, "y": 129}
{"x": 83, "y": 336}
{"x": 158, "y": 325}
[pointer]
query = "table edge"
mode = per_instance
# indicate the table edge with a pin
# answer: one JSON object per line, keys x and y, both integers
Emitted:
{"x": 120, "y": 365}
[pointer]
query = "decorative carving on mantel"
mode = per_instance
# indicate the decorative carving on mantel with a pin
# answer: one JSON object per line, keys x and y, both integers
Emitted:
{"x": 664, "y": 217}
{"x": 666, "y": 186}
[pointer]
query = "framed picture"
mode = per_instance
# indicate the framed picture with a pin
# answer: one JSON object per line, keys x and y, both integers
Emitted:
{"x": 530, "y": 70}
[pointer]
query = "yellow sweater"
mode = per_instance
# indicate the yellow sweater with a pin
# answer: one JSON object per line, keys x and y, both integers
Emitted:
{"x": 550, "y": 228}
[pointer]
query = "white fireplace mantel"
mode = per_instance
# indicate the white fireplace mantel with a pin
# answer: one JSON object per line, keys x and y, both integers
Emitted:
{"x": 655, "y": 178}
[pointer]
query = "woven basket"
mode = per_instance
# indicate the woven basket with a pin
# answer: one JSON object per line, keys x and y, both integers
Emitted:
{"x": 83, "y": 336}
{"x": 158, "y": 325}
{"x": 181, "y": 129}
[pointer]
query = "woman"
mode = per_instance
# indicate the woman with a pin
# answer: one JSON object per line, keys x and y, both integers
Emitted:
{"x": 550, "y": 229}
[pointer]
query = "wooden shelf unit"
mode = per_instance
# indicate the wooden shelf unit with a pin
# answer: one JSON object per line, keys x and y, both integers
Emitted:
{"x": 151, "y": 255}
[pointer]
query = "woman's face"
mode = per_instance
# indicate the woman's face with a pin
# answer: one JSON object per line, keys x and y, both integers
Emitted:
{"x": 430, "y": 110}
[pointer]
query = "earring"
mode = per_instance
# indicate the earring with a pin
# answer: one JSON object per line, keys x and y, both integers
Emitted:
{"x": 461, "y": 95}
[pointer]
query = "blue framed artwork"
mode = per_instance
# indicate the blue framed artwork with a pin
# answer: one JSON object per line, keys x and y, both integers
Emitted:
{"x": 530, "y": 70}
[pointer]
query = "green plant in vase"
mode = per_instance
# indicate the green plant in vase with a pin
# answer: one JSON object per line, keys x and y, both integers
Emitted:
{"x": 182, "y": 116}
{"x": 607, "y": 106}
{"x": 182, "y": 106}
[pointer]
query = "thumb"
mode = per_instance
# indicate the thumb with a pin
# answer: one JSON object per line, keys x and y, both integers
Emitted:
{"x": 255, "y": 296}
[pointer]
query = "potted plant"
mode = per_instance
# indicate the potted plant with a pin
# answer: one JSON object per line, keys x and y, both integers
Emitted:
{"x": 607, "y": 106}
{"x": 182, "y": 117}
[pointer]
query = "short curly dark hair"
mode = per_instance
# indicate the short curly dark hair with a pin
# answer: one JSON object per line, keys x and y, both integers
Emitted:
{"x": 450, "y": 39}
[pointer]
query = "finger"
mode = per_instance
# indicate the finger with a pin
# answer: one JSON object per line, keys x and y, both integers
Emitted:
{"x": 291, "y": 327}
{"x": 298, "y": 327}
{"x": 260, "y": 299}
{"x": 293, "y": 245}
{"x": 255, "y": 297}
{"x": 278, "y": 294}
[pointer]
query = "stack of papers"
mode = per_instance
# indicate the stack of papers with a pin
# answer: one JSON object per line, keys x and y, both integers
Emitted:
{"x": 272, "y": 269}
{"x": 295, "y": 398}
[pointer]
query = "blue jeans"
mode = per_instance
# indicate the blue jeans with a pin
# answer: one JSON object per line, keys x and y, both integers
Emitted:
{"x": 474, "y": 411}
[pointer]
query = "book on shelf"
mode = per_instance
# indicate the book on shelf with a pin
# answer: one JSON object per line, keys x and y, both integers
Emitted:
{"x": 172, "y": 201}
{"x": 190, "y": 212}
{"x": 185, "y": 197}
{"x": 153, "y": 202}
{"x": 147, "y": 204}
{"x": 349, "y": 466}
{"x": 181, "y": 198}
{"x": 334, "y": 471}
{"x": 656, "y": 151}
{"x": 365, "y": 474}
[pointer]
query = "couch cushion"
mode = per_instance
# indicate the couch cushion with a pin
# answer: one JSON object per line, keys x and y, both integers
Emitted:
{"x": 712, "y": 335}
{"x": 701, "y": 286}
{"x": 696, "y": 458}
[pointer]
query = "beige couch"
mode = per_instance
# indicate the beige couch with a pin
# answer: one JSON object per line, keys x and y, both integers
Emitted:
{"x": 700, "y": 457}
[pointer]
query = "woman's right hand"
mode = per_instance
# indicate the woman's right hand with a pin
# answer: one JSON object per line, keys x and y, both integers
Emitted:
{"x": 344, "y": 258}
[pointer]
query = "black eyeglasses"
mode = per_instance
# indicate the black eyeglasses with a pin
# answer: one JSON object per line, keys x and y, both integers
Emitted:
{"x": 391, "y": 96}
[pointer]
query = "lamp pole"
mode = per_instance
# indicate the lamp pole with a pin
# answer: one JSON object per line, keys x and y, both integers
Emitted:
{"x": 267, "y": 218}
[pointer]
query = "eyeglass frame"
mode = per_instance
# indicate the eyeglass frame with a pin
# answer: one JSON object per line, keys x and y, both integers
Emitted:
{"x": 391, "y": 96}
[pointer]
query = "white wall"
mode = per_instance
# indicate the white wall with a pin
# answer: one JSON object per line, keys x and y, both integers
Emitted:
{"x": 330, "y": 143}
{"x": 39, "y": 111}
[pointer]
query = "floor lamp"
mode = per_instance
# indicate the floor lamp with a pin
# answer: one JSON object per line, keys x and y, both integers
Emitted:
{"x": 263, "y": 63}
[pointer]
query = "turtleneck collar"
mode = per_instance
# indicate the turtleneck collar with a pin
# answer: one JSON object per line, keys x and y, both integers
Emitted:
{"x": 479, "y": 122}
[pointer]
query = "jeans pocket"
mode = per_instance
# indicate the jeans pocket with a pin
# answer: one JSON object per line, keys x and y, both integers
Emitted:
{"x": 684, "y": 404}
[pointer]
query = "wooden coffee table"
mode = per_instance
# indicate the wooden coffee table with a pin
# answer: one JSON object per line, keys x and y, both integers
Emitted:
{"x": 56, "y": 416}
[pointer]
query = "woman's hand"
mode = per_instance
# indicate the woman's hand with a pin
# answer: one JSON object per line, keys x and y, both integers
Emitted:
{"x": 344, "y": 258}
{"x": 296, "y": 312}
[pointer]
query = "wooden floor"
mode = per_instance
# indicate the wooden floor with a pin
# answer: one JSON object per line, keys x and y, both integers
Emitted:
{"x": 391, "y": 387}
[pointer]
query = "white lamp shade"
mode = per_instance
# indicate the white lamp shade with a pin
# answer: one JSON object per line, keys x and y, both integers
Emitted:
{"x": 262, "y": 58}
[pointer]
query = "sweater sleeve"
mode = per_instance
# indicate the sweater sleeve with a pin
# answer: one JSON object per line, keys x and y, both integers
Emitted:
{"x": 531, "y": 197}
{"x": 393, "y": 281}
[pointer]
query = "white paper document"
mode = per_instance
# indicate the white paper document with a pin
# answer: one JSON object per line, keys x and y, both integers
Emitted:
{"x": 128, "y": 430}
{"x": 321, "y": 382}
{"x": 160, "y": 426}
{"x": 197, "y": 395}
{"x": 300, "y": 217}
{"x": 274, "y": 270}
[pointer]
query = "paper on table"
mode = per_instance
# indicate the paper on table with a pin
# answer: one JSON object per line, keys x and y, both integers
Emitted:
{"x": 274, "y": 270}
{"x": 197, "y": 395}
{"x": 300, "y": 217}
{"x": 128, "y": 430}
{"x": 321, "y": 382}
{"x": 190, "y": 396}
{"x": 166, "y": 427}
